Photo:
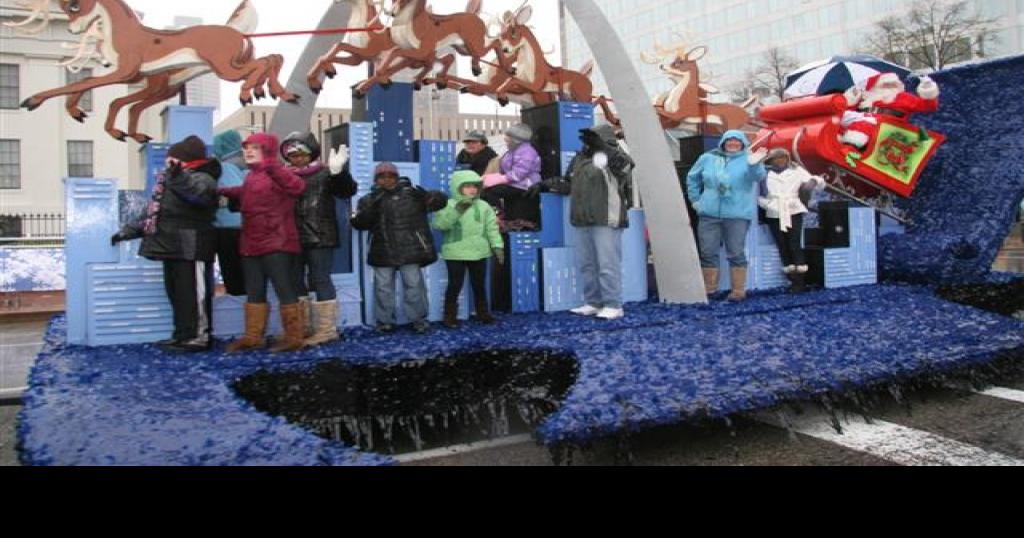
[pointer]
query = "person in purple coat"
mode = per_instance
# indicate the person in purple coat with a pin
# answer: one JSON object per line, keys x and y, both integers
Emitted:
{"x": 521, "y": 166}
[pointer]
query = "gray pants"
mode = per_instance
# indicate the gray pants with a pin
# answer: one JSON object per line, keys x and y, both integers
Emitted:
{"x": 414, "y": 293}
{"x": 599, "y": 256}
{"x": 713, "y": 232}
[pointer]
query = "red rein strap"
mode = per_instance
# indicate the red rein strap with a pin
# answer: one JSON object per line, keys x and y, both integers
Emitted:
{"x": 327, "y": 31}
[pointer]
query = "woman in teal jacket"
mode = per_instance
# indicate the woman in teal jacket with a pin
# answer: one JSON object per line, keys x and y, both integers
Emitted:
{"x": 471, "y": 236}
{"x": 722, "y": 187}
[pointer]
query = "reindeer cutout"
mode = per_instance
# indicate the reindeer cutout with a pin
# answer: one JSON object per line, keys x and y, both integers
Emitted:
{"x": 687, "y": 102}
{"x": 164, "y": 59}
{"x": 487, "y": 84}
{"x": 418, "y": 34}
{"x": 360, "y": 46}
{"x": 533, "y": 74}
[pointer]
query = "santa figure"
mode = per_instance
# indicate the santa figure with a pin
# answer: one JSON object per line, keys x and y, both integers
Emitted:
{"x": 884, "y": 94}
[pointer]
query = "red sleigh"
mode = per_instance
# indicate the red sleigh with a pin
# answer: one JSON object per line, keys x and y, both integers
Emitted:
{"x": 891, "y": 164}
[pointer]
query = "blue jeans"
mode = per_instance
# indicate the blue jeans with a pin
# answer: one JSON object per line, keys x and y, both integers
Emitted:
{"x": 318, "y": 262}
{"x": 414, "y": 293}
{"x": 713, "y": 232}
{"x": 599, "y": 256}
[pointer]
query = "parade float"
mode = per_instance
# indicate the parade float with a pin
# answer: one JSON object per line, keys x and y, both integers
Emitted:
{"x": 102, "y": 394}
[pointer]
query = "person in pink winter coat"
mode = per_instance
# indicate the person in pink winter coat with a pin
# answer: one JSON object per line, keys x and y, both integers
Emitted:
{"x": 269, "y": 243}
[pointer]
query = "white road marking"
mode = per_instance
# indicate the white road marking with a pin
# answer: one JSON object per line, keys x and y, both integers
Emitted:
{"x": 895, "y": 443}
{"x": 463, "y": 449}
{"x": 1012, "y": 395}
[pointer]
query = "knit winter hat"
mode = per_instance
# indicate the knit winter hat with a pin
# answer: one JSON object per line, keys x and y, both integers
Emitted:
{"x": 385, "y": 168}
{"x": 227, "y": 144}
{"x": 475, "y": 136}
{"x": 521, "y": 132}
{"x": 776, "y": 153}
{"x": 191, "y": 149}
{"x": 292, "y": 147}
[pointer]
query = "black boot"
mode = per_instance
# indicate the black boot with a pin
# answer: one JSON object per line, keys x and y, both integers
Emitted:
{"x": 799, "y": 282}
{"x": 451, "y": 314}
{"x": 483, "y": 313}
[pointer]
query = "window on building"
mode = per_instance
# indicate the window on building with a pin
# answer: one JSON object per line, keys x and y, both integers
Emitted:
{"x": 85, "y": 103}
{"x": 79, "y": 158}
{"x": 9, "y": 86}
{"x": 10, "y": 164}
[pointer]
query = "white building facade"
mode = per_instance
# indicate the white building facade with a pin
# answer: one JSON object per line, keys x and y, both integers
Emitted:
{"x": 40, "y": 148}
{"x": 738, "y": 32}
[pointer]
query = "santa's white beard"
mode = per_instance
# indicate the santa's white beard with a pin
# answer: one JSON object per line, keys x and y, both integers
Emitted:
{"x": 881, "y": 96}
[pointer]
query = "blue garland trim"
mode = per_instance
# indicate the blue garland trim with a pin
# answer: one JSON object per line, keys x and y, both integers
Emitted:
{"x": 135, "y": 405}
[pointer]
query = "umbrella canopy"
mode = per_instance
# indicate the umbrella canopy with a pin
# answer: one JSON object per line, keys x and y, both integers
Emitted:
{"x": 837, "y": 74}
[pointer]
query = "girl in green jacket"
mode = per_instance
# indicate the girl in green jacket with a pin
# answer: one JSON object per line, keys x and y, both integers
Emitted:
{"x": 471, "y": 236}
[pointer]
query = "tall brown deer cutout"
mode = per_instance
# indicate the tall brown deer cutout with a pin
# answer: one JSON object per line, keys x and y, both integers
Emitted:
{"x": 418, "y": 34}
{"x": 160, "y": 57}
{"x": 687, "y": 102}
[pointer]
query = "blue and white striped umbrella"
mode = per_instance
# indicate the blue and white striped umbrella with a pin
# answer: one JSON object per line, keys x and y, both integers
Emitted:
{"x": 837, "y": 74}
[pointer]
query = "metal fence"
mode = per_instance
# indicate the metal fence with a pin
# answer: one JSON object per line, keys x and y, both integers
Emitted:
{"x": 32, "y": 226}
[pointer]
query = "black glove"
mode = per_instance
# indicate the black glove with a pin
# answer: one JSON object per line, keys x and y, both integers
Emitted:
{"x": 464, "y": 206}
{"x": 125, "y": 234}
{"x": 557, "y": 185}
{"x": 499, "y": 255}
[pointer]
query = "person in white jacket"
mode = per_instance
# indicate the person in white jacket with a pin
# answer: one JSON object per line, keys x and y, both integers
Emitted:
{"x": 784, "y": 211}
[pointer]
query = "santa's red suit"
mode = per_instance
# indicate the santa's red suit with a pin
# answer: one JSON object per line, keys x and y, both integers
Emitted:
{"x": 885, "y": 95}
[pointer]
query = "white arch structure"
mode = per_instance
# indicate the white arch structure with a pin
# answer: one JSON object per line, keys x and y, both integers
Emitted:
{"x": 677, "y": 264}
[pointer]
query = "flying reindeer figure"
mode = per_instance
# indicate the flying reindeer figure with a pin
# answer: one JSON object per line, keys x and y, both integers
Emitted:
{"x": 687, "y": 102}
{"x": 164, "y": 59}
{"x": 418, "y": 34}
{"x": 534, "y": 76}
{"x": 372, "y": 45}
{"x": 360, "y": 46}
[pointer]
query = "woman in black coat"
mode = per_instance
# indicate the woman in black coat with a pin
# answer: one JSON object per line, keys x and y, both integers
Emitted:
{"x": 317, "y": 221}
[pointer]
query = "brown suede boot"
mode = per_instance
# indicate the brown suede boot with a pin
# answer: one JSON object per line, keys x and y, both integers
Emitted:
{"x": 483, "y": 313}
{"x": 710, "y": 281}
{"x": 451, "y": 314}
{"x": 739, "y": 284}
{"x": 291, "y": 340}
{"x": 256, "y": 315}
{"x": 307, "y": 317}
{"x": 326, "y": 323}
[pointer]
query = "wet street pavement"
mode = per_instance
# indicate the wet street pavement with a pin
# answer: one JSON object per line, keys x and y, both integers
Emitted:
{"x": 931, "y": 427}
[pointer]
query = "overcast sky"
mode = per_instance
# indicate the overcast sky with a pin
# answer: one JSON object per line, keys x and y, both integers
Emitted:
{"x": 289, "y": 15}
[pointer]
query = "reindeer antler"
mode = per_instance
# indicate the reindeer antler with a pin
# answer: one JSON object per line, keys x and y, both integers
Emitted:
{"x": 93, "y": 37}
{"x": 40, "y": 10}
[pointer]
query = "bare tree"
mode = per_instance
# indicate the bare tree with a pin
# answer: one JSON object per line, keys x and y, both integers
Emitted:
{"x": 768, "y": 79}
{"x": 932, "y": 35}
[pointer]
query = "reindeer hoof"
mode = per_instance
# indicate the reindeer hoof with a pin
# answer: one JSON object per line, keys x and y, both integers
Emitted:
{"x": 416, "y": 86}
{"x": 29, "y": 105}
{"x": 120, "y": 136}
{"x": 330, "y": 73}
{"x": 441, "y": 85}
{"x": 477, "y": 71}
{"x": 316, "y": 90}
{"x": 503, "y": 101}
{"x": 512, "y": 71}
{"x": 142, "y": 138}
{"x": 259, "y": 94}
{"x": 463, "y": 90}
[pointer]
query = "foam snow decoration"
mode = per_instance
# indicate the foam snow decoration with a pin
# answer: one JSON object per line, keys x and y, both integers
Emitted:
{"x": 965, "y": 203}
